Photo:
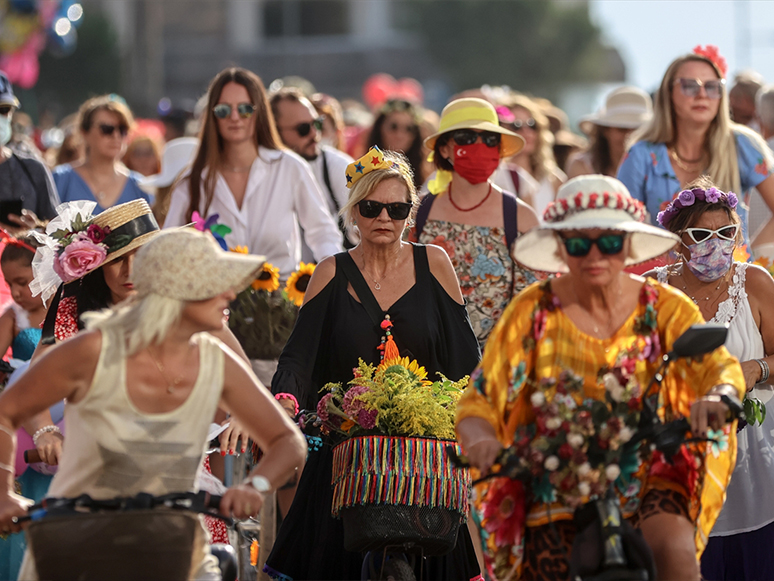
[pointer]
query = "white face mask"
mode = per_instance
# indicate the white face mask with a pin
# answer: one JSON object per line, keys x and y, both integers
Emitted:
{"x": 5, "y": 129}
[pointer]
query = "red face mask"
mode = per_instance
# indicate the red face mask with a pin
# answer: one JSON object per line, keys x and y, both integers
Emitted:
{"x": 476, "y": 162}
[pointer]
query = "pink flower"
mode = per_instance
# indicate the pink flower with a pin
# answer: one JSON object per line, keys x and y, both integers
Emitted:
{"x": 322, "y": 407}
{"x": 712, "y": 195}
{"x": 350, "y": 404}
{"x": 78, "y": 258}
{"x": 686, "y": 198}
{"x": 504, "y": 511}
{"x": 539, "y": 325}
{"x": 97, "y": 234}
{"x": 367, "y": 419}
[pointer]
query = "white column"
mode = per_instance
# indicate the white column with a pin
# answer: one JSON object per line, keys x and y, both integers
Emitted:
{"x": 370, "y": 21}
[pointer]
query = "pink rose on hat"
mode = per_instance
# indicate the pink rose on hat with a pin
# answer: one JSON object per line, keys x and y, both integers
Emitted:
{"x": 78, "y": 258}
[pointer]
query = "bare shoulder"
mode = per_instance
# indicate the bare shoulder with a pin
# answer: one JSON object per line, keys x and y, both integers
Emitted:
{"x": 83, "y": 346}
{"x": 759, "y": 282}
{"x": 527, "y": 218}
{"x": 323, "y": 274}
{"x": 443, "y": 271}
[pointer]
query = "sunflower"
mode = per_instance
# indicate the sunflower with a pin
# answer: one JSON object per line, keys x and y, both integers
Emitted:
{"x": 419, "y": 372}
{"x": 268, "y": 279}
{"x": 297, "y": 283}
{"x": 240, "y": 250}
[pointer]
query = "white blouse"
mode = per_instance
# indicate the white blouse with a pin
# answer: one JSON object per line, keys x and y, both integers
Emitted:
{"x": 281, "y": 193}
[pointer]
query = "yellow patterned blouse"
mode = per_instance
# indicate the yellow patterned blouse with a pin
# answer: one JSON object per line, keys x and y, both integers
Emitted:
{"x": 534, "y": 343}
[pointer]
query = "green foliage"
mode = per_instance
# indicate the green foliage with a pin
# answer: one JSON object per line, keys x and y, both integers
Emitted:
{"x": 532, "y": 46}
{"x": 754, "y": 410}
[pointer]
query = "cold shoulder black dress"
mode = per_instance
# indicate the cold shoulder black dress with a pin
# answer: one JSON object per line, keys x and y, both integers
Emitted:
{"x": 333, "y": 330}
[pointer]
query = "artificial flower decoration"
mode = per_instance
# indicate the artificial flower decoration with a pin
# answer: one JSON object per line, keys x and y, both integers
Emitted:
{"x": 240, "y": 250}
{"x": 713, "y": 53}
{"x": 298, "y": 283}
{"x": 219, "y": 231}
{"x": 268, "y": 279}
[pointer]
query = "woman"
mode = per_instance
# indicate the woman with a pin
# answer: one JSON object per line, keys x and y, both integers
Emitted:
{"x": 104, "y": 122}
{"x": 348, "y": 297}
{"x": 163, "y": 368}
{"x": 397, "y": 127}
{"x": 561, "y": 333}
{"x": 143, "y": 154}
{"x": 626, "y": 109}
{"x": 691, "y": 134}
{"x": 537, "y": 157}
{"x": 259, "y": 190}
{"x": 470, "y": 217}
{"x": 737, "y": 294}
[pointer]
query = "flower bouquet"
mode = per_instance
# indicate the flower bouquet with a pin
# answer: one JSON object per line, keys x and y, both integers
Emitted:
{"x": 392, "y": 481}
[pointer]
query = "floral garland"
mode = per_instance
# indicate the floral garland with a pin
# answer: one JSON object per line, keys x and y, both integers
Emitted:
{"x": 561, "y": 208}
{"x": 688, "y": 198}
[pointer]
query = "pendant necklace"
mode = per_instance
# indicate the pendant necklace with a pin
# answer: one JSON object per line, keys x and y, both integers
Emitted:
{"x": 685, "y": 164}
{"x": 171, "y": 386}
{"x": 714, "y": 294}
{"x": 377, "y": 283}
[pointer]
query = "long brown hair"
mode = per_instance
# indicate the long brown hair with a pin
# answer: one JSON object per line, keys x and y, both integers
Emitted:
{"x": 210, "y": 152}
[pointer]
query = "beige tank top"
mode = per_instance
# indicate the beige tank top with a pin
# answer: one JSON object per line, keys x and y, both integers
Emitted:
{"x": 113, "y": 449}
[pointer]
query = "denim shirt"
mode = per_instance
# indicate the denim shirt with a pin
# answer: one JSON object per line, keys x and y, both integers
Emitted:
{"x": 647, "y": 172}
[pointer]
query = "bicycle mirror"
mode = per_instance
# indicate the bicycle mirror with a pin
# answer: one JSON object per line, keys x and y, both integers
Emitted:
{"x": 699, "y": 340}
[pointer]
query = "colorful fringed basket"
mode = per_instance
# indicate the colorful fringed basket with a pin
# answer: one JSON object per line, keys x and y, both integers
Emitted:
{"x": 399, "y": 492}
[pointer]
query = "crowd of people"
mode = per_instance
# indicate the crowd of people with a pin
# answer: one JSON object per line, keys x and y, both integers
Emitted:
{"x": 555, "y": 269}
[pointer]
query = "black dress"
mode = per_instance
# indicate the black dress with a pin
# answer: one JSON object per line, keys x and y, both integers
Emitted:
{"x": 334, "y": 330}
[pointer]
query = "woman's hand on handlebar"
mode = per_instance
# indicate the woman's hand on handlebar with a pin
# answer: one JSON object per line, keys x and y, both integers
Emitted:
{"x": 49, "y": 448}
{"x": 708, "y": 412}
{"x": 241, "y": 501}
{"x": 10, "y": 507}
{"x": 483, "y": 454}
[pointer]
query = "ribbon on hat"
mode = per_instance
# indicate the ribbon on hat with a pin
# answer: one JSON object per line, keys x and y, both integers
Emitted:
{"x": 372, "y": 160}
{"x": 440, "y": 182}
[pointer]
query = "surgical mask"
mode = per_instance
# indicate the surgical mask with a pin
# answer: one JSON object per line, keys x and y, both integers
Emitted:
{"x": 5, "y": 129}
{"x": 710, "y": 259}
{"x": 476, "y": 162}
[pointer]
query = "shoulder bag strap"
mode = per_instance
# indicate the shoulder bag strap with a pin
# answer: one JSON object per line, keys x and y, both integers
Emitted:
{"x": 510, "y": 218}
{"x": 423, "y": 212}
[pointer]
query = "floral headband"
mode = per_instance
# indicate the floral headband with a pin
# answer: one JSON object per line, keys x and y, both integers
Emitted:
{"x": 712, "y": 53}
{"x": 9, "y": 240}
{"x": 688, "y": 198}
{"x": 371, "y": 161}
{"x": 563, "y": 207}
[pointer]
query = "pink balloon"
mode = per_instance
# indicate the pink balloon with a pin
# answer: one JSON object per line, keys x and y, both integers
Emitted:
{"x": 22, "y": 67}
{"x": 377, "y": 89}
{"x": 409, "y": 90}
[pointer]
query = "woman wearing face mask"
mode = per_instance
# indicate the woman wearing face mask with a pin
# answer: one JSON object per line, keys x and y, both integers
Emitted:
{"x": 470, "y": 217}
{"x": 739, "y": 295}
{"x": 101, "y": 177}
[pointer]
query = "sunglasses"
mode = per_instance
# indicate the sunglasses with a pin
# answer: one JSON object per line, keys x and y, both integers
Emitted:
{"x": 608, "y": 244}
{"x": 468, "y": 137}
{"x": 223, "y": 110}
{"x": 395, "y": 127}
{"x": 303, "y": 129}
{"x": 518, "y": 125}
{"x": 701, "y": 234}
{"x": 395, "y": 210}
{"x": 5, "y": 110}
{"x": 692, "y": 87}
{"x": 109, "y": 130}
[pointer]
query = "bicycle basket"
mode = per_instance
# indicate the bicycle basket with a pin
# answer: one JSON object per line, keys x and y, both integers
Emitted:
{"x": 153, "y": 545}
{"x": 398, "y": 491}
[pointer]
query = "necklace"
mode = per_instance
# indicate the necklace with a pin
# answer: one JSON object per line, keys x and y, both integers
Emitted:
{"x": 685, "y": 164}
{"x": 594, "y": 321}
{"x": 377, "y": 283}
{"x": 488, "y": 193}
{"x": 100, "y": 195}
{"x": 171, "y": 386}
{"x": 714, "y": 294}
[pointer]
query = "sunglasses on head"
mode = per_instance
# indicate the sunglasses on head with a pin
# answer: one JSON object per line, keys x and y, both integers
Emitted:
{"x": 608, "y": 244}
{"x": 519, "y": 124}
{"x": 701, "y": 234}
{"x": 5, "y": 110}
{"x": 108, "y": 130}
{"x": 223, "y": 110}
{"x": 469, "y": 136}
{"x": 303, "y": 129}
{"x": 395, "y": 210}
{"x": 692, "y": 87}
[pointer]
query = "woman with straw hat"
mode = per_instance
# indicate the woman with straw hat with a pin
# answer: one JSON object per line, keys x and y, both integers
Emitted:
{"x": 470, "y": 217}
{"x": 625, "y": 109}
{"x": 143, "y": 383}
{"x": 549, "y": 347}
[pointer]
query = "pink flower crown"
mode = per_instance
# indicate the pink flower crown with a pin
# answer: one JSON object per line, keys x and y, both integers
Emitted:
{"x": 688, "y": 198}
{"x": 712, "y": 53}
{"x": 561, "y": 208}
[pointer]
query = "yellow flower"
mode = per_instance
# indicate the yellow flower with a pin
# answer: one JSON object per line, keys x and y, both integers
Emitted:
{"x": 347, "y": 425}
{"x": 419, "y": 372}
{"x": 741, "y": 254}
{"x": 297, "y": 283}
{"x": 240, "y": 250}
{"x": 268, "y": 279}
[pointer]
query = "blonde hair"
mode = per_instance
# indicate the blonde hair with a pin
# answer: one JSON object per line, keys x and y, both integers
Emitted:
{"x": 720, "y": 141}
{"x": 142, "y": 322}
{"x": 542, "y": 161}
{"x": 109, "y": 103}
{"x": 367, "y": 184}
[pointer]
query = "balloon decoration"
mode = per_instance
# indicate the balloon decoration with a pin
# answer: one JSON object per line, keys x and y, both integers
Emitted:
{"x": 27, "y": 27}
{"x": 381, "y": 87}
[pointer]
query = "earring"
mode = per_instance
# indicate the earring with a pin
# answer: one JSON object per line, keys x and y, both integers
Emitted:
{"x": 354, "y": 222}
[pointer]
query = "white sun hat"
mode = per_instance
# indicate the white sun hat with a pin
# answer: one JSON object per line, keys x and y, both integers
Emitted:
{"x": 178, "y": 154}
{"x": 625, "y": 108}
{"x": 591, "y": 202}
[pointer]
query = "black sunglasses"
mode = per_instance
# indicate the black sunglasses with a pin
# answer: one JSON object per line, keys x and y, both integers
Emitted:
{"x": 395, "y": 210}
{"x": 223, "y": 110}
{"x": 609, "y": 244}
{"x": 469, "y": 136}
{"x": 108, "y": 130}
{"x": 303, "y": 129}
{"x": 5, "y": 110}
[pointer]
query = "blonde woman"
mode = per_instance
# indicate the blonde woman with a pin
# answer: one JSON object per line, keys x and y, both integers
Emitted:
{"x": 537, "y": 157}
{"x": 691, "y": 134}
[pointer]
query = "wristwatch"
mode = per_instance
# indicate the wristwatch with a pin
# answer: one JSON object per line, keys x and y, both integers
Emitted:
{"x": 260, "y": 483}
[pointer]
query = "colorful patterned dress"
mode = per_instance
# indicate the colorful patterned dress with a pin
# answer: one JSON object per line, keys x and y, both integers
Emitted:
{"x": 535, "y": 343}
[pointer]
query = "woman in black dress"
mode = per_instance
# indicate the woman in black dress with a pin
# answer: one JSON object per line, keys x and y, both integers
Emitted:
{"x": 348, "y": 297}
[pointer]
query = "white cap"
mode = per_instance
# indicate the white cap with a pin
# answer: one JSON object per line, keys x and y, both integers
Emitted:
{"x": 178, "y": 154}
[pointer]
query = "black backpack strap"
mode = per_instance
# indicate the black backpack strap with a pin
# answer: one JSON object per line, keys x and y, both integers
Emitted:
{"x": 355, "y": 278}
{"x": 423, "y": 212}
{"x": 510, "y": 218}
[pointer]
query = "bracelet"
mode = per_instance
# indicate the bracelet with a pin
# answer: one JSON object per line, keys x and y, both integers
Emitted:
{"x": 45, "y": 430}
{"x": 765, "y": 372}
{"x": 7, "y": 468}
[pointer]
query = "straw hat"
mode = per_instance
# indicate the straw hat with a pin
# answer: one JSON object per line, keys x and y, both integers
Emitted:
{"x": 178, "y": 154}
{"x": 134, "y": 219}
{"x": 584, "y": 203}
{"x": 470, "y": 113}
{"x": 625, "y": 107}
{"x": 189, "y": 265}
